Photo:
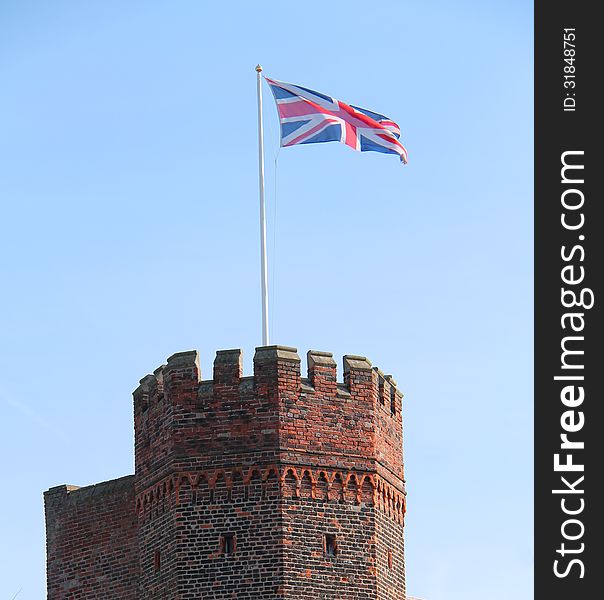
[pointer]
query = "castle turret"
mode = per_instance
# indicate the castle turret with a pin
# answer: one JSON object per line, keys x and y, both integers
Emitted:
{"x": 274, "y": 486}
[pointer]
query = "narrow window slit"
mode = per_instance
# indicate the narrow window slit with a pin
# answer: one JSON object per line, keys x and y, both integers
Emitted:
{"x": 330, "y": 545}
{"x": 228, "y": 544}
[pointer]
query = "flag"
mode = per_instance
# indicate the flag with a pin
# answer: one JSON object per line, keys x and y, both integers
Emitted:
{"x": 308, "y": 117}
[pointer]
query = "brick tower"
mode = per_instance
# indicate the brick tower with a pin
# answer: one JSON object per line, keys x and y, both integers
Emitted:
{"x": 270, "y": 487}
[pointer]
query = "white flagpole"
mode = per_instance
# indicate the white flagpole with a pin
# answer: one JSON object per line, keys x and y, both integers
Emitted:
{"x": 264, "y": 276}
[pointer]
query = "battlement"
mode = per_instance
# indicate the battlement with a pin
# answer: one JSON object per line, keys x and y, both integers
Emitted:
{"x": 272, "y": 485}
{"x": 274, "y": 367}
{"x": 273, "y": 416}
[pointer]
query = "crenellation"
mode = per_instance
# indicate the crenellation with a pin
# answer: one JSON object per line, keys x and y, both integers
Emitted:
{"x": 184, "y": 361}
{"x": 383, "y": 389}
{"x": 359, "y": 377}
{"x": 322, "y": 371}
{"x": 265, "y": 465}
{"x": 181, "y": 377}
{"x": 396, "y": 398}
{"x": 274, "y": 367}
{"x": 141, "y": 394}
{"x": 228, "y": 368}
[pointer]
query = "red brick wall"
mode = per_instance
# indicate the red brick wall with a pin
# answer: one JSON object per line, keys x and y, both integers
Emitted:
{"x": 388, "y": 424}
{"x": 279, "y": 516}
{"x": 183, "y": 423}
{"x": 244, "y": 505}
{"x": 390, "y": 573}
{"x": 212, "y": 433}
{"x": 158, "y": 547}
{"x": 322, "y": 423}
{"x": 350, "y": 507}
{"x": 92, "y": 546}
{"x": 318, "y": 503}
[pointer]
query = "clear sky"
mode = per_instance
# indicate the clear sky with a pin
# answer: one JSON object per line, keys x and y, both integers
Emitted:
{"x": 129, "y": 231}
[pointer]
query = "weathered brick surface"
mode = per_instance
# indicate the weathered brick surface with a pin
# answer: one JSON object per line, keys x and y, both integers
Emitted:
{"x": 246, "y": 508}
{"x": 92, "y": 542}
{"x": 390, "y": 570}
{"x": 239, "y": 480}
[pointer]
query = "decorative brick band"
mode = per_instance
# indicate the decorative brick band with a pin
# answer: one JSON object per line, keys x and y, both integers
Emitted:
{"x": 289, "y": 482}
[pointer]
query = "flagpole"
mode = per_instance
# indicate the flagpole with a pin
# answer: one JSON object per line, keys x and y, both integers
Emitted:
{"x": 263, "y": 276}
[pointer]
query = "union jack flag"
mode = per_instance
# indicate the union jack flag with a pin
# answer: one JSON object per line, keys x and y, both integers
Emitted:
{"x": 308, "y": 117}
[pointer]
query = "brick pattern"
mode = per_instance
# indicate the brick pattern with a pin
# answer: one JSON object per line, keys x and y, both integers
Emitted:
{"x": 390, "y": 569}
{"x": 309, "y": 572}
{"x": 92, "y": 544}
{"x": 153, "y": 417}
{"x": 157, "y": 538}
{"x": 388, "y": 424}
{"x": 278, "y": 517}
{"x": 239, "y": 479}
{"x": 292, "y": 482}
{"x": 248, "y": 513}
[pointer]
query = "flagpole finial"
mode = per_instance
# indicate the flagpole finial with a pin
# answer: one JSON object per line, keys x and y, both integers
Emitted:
{"x": 258, "y": 68}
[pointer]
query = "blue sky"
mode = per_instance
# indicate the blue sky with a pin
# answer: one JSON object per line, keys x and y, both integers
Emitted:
{"x": 129, "y": 211}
